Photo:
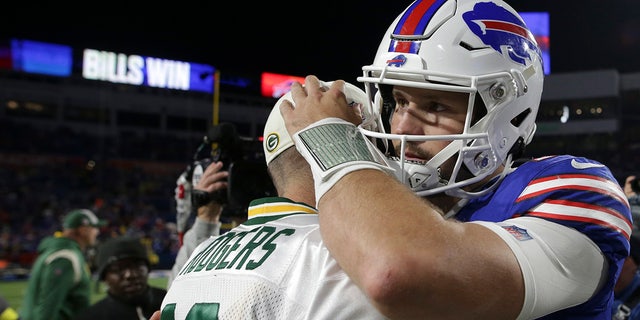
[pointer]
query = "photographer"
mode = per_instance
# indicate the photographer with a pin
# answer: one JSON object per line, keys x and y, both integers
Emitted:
{"x": 207, "y": 221}
{"x": 200, "y": 186}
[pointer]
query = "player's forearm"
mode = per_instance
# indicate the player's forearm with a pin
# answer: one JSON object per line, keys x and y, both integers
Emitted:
{"x": 405, "y": 256}
{"x": 373, "y": 227}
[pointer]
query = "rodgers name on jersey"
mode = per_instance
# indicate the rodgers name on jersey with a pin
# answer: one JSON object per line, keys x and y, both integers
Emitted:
{"x": 240, "y": 250}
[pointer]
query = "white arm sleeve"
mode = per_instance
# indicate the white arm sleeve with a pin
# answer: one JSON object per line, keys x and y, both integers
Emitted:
{"x": 557, "y": 263}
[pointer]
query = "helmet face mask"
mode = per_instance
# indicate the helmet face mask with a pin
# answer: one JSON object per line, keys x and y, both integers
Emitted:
{"x": 482, "y": 49}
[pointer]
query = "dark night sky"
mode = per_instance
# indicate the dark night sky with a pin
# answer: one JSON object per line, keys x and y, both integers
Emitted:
{"x": 332, "y": 39}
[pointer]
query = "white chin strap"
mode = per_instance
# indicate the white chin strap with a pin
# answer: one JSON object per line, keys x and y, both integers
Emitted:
{"x": 424, "y": 179}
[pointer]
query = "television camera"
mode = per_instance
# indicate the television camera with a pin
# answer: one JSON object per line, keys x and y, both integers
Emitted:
{"x": 244, "y": 160}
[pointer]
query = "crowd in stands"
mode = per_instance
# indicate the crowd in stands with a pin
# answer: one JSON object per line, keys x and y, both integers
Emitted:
{"x": 44, "y": 174}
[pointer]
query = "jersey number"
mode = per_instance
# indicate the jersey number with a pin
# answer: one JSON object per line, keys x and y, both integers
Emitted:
{"x": 199, "y": 311}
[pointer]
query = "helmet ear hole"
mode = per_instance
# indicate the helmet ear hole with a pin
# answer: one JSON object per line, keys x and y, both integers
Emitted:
{"x": 519, "y": 119}
{"x": 517, "y": 150}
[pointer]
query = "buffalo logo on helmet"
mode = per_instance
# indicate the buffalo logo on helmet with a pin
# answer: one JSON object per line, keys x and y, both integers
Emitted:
{"x": 397, "y": 61}
{"x": 500, "y": 29}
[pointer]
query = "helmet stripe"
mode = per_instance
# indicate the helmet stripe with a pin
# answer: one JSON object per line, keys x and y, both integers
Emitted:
{"x": 414, "y": 21}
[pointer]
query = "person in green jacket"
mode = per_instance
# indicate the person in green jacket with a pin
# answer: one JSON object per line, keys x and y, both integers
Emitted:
{"x": 60, "y": 280}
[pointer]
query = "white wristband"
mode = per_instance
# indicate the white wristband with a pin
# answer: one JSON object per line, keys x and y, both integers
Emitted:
{"x": 334, "y": 147}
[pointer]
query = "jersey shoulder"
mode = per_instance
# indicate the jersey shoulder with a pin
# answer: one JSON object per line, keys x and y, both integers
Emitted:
{"x": 565, "y": 164}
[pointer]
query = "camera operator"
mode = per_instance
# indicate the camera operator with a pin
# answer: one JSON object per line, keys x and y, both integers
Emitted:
{"x": 201, "y": 187}
{"x": 207, "y": 222}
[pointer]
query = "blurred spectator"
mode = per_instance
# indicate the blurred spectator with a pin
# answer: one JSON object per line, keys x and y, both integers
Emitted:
{"x": 123, "y": 265}
{"x": 632, "y": 190}
{"x": 59, "y": 282}
{"x": 36, "y": 192}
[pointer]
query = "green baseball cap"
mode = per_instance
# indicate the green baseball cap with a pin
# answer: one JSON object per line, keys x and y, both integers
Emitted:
{"x": 82, "y": 217}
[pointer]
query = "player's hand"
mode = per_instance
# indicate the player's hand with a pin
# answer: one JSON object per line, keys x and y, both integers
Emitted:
{"x": 315, "y": 102}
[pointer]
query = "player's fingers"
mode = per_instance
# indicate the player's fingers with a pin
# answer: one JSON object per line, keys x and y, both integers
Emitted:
{"x": 312, "y": 84}
{"x": 289, "y": 116}
{"x": 337, "y": 90}
{"x": 314, "y": 87}
{"x": 338, "y": 85}
{"x": 297, "y": 92}
{"x": 285, "y": 107}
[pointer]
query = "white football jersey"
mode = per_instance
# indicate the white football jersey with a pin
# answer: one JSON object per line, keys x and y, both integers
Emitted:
{"x": 273, "y": 266}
